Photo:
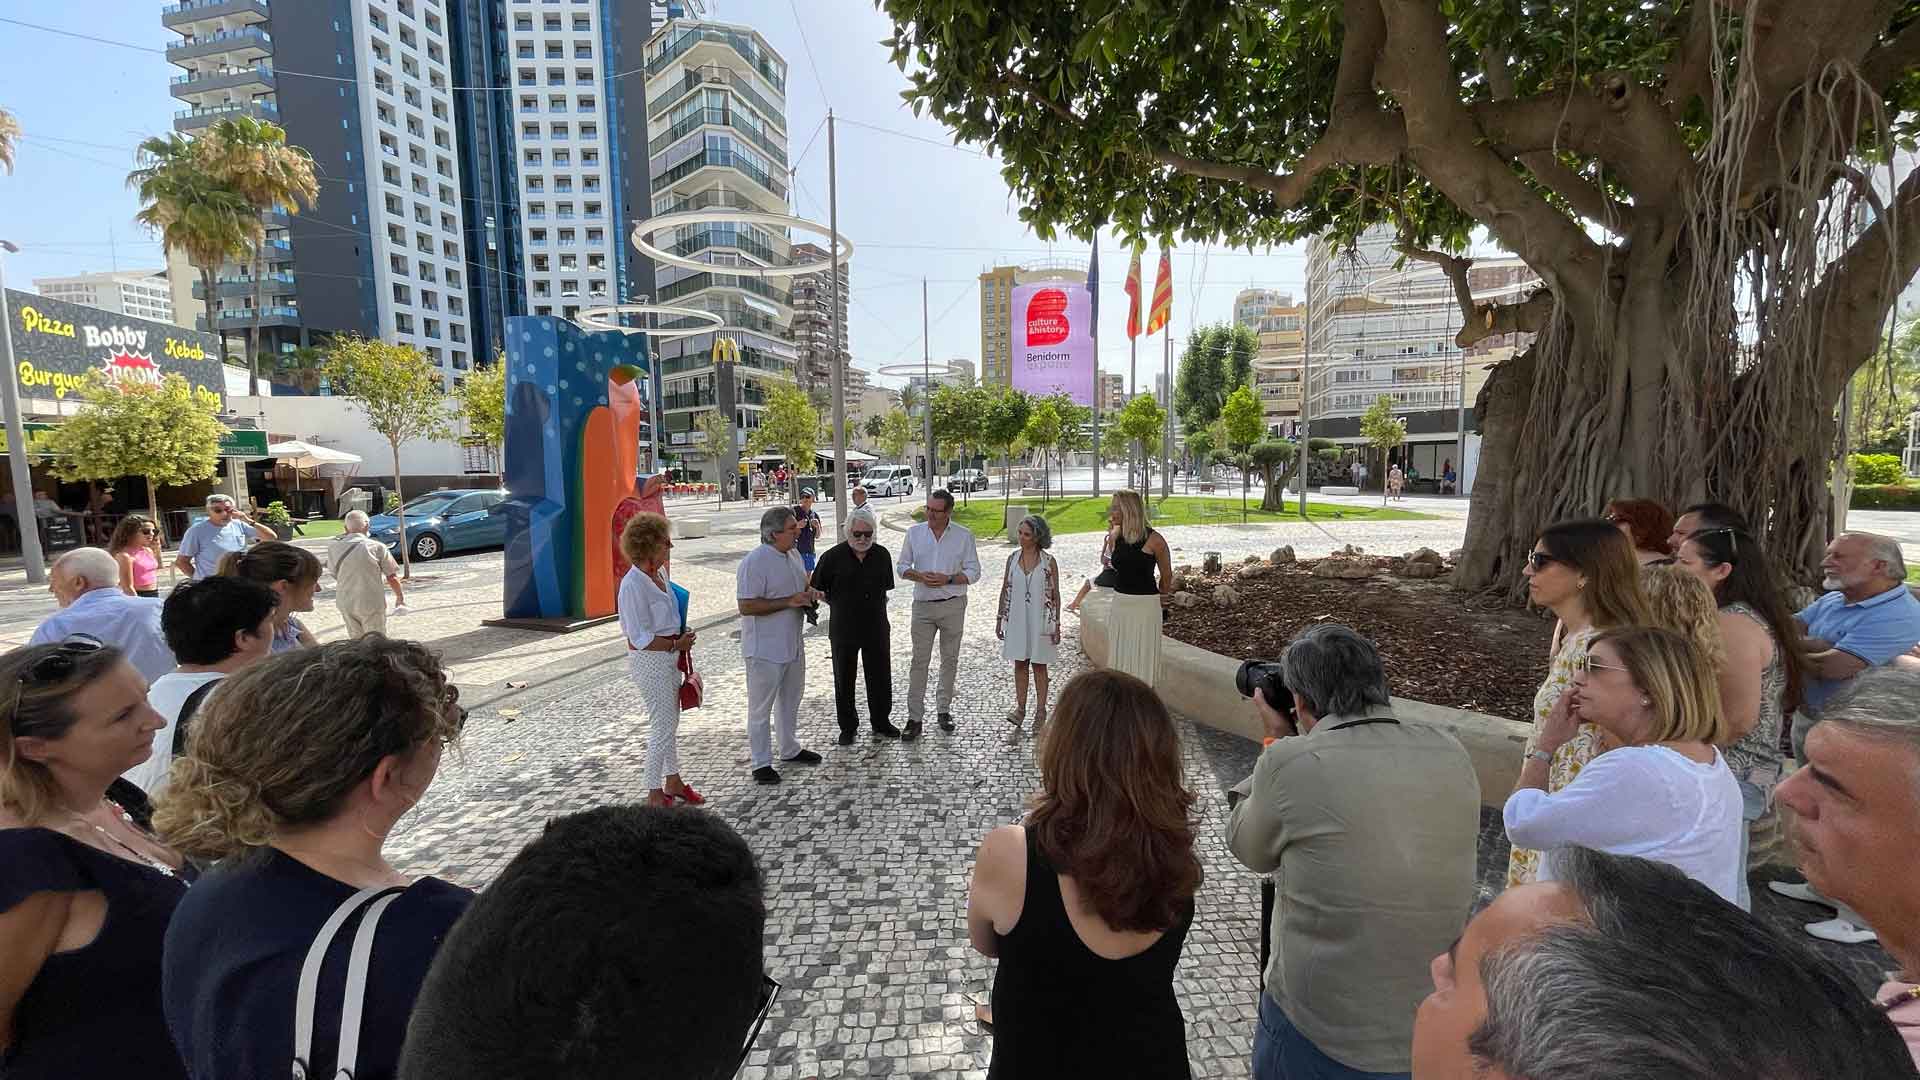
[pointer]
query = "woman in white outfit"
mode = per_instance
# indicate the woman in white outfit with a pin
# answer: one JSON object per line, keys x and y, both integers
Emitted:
{"x": 656, "y": 636}
{"x": 1029, "y": 620}
{"x": 1665, "y": 794}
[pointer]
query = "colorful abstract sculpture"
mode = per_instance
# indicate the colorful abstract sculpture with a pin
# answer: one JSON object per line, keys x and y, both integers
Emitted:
{"x": 574, "y": 410}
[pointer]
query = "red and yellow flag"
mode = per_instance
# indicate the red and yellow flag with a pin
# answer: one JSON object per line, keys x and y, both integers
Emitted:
{"x": 1162, "y": 295}
{"x": 1133, "y": 295}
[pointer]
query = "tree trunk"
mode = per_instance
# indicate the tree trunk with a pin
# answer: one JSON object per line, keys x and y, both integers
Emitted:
{"x": 400, "y": 515}
{"x": 213, "y": 316}
{"x": 253, "y": 353}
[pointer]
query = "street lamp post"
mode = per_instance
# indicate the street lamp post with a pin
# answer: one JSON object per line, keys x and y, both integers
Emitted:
{"x": 30, "y": 552}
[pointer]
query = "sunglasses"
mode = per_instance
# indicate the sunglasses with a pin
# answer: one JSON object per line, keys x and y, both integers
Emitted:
{"x": 769, "y": 989}
{"x": 861, "y": 535}
{"x": 1540, "y": 560}
{"x": 1733, "y": 536}
{"x": 60, "y": 663}
{"x": 1589, "y": 665}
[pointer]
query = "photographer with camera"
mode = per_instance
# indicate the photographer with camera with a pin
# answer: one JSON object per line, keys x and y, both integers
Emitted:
{"x": 1369, "y": 824}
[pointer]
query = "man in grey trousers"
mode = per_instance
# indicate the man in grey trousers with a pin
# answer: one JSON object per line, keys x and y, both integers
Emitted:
{"x": 940, "y": 559}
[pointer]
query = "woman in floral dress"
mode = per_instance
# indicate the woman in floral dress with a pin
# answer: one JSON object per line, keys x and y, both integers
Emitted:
{"x": 1028, "y": 622}
{"x": 1585, "y": 571}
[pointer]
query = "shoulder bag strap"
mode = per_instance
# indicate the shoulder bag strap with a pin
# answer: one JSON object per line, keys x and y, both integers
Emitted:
{"x": 309, "y": 988}
{"x": 187, "y": 710}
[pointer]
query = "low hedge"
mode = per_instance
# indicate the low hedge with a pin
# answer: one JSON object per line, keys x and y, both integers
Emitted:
{"x": 1885, "y": 497}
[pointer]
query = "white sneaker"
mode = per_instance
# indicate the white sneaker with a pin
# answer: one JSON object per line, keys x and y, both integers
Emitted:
{"x": 1842, "y": 931}
{"x": 1801, "y": 891}
{"x": 402, "y": 609}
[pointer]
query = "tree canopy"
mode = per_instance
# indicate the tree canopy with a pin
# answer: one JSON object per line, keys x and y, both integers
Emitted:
{"x": 1218, "y": 358}
{"x": 399, "y": 392}
{"x": 168, "y": 433}
{"x": 481, "y": 401}
{"x": 790, "y": 427}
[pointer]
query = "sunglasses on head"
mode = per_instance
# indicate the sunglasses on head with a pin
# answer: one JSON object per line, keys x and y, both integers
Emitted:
{"x": 60, "y": 663}
{"x": 1733, "y": 535}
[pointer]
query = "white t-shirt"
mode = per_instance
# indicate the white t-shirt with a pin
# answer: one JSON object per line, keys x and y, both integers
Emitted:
{"x": 167, "y": 694}
{"x": 1648, "y": 801}
{"x": 770, "y": 574}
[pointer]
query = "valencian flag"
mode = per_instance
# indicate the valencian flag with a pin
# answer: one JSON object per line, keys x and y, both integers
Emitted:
{"x": 1133, "y": 295}
{"x": 1162, "y": 295}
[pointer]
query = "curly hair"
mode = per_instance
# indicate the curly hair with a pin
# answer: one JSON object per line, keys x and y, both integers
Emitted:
{"x": 271, "y": 561}
{"x": 285, "y": 740}
{"x": 1649, "y": 521}
{"x": 126, "y": 533}
{"x": 1682, "y": 603}
{"x": 37, "y": 707}
{"x": 1113, "y": 811}
{"x": 644, "y": 534}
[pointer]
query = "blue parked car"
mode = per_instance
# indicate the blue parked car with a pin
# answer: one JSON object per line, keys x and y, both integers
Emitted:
{"x": 453, "y": 519}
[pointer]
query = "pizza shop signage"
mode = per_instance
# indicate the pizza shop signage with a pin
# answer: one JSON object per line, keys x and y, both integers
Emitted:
{"x": 56, "y": 344}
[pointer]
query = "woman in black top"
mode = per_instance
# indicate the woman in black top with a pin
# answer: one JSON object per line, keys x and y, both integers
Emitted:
{"x": 1140, "y": 556}
{"x": 85, "y": 894}
{"x": 1088, "y": 904}
{"x": 298, "y": 769}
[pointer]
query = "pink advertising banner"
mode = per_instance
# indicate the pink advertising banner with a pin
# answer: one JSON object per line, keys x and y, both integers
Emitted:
{"x": 1053, "y": 348}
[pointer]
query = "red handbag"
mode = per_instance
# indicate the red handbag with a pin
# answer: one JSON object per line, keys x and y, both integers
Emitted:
{"x": 691, "y": 688}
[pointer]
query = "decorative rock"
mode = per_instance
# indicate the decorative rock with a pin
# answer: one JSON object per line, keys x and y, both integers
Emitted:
{"x": 1456, "y": 554}
{"x": 1211, "y": 562}
{"x": 1282, "y": 556}
{"x": 1342, "y": 568}
{"x": 1226, "y": 596}
{"x": 1250, "y": 560}
{"x": 1253, "y": 571}
{"x": 1425, "y": 555}
{"x": 1185, "y": 599}
{"x": 1420, "y": 570}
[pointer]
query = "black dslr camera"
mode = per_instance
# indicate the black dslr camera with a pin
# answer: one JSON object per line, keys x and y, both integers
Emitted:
{"x": 1266, "y": 677}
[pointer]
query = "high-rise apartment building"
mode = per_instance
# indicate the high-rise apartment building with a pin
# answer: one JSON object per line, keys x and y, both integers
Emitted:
{"x": 1112, "y": 392}
{"x": 366, "y": 88}
{"x": 812, "y": 330}
{"x": 996, "y": 311}
{"x": 1388, "y": 329}
{"x": 715, "y": 103}
{"x": 1279, "y": 322}
{"x": 143, "y": 293}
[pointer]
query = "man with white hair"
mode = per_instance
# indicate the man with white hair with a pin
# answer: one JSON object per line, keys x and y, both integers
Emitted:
{"x": 86, "y": 582}
{"x": 359, "y": 563}
{"x": 855, "y": 576}
{"x": 1868, "y": 618}
{"x": 772, "y": 591}
{"x": 224, "y": 529}
{"x": 1856, "y": 806}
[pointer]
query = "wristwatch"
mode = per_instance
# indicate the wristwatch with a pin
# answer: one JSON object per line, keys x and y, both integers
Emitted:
{"x": 1540, "y": 755}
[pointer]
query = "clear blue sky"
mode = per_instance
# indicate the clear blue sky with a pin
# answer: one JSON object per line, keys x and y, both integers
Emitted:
{"x": 912, "y": 205}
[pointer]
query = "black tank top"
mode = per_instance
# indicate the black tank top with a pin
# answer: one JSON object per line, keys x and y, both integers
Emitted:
{"x": 1133, "y": 566}
{"x": 1059, "y": 1010}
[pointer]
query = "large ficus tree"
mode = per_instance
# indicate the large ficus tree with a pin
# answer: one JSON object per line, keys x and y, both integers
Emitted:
{"x": 1701, "y": 185}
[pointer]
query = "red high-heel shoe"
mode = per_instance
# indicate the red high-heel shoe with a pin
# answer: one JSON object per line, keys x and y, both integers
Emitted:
{"x": 687, "y": 795}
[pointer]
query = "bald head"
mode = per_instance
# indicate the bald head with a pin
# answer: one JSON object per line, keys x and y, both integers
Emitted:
{"x": 355, "y": 521}
{"x": 81, "y": 571}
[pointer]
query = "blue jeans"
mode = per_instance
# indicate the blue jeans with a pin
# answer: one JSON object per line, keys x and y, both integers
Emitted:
{"x": 1280, "y": 1052}
{"x": 1753, "y": 803}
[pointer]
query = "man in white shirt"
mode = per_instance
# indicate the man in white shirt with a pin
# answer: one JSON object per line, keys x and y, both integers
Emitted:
{"x": 940, "y": 559}
{"x": 772, "y": 592}
{"x": 215, "y": 627}
{"x": 359, "y": 564}
{"x": 86, "y": 582}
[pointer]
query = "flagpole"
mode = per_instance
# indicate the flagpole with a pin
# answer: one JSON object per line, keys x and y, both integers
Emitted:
{"x": 1096, "y": 370}
{"x": 1166, "y": 445}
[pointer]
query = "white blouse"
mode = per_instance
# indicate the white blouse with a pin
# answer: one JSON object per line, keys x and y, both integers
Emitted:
{"x": 646, "y": 610}
{"x": 1648, "y": 801}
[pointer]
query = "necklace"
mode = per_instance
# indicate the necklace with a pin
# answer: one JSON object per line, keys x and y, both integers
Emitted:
{"x": 1911, "y": 993}
{"x": 139, "y": 856}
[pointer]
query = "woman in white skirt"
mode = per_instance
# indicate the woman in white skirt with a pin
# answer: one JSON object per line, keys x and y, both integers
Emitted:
{"x": 1142, "y": 581}
{"x": 1029, "y": 620}
{"x": 656, "y": 636}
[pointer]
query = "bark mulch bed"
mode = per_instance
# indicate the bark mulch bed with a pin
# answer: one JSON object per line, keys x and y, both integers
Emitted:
{"x": 1438, "y": 646}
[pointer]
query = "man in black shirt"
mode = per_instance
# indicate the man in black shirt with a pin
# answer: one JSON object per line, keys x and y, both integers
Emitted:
{"x": 856, "y": 575}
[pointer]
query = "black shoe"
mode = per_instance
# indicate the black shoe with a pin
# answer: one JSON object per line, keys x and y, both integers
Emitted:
{"x": 846, "y": 736}
{"x": 946, "y": 722}
{"x": 765, "y": 774}
{"x": 885, "y": 730}
{"x": 912, "y": 732}
{"x": 806, "y": 757}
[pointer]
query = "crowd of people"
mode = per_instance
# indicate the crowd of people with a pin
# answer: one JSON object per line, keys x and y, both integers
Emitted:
{"x": 196, "y": 800}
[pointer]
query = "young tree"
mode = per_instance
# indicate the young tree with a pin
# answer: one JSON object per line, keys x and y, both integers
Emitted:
{"x": 959, "y": 413}
{"x": 1142, "y": 423}
{"x": 874, "y": 426}
{"x": 1691, "y": 181}
{"x": 896, "y": 431}
{"x": 1274, "y": 458}
{"x": 1384, "y": 432}
{"x": 399, "y": 392}
{"x": 1004, "y": 424}
{"x": 1043, "y": 434}
{"x": 1200, "y": 448}
{"x": 717, "y": 439}
{"x": 1217, "y": 361}
{"x": 1245, "y": 423}
{"x": 481, "y": 401}
{"x": 168, "y": 433}
{"x": 790, "y": 427}
{"x": 1076, "y": 432}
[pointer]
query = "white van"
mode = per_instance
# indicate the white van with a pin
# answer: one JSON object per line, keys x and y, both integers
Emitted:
{"x": 888, "y": 480}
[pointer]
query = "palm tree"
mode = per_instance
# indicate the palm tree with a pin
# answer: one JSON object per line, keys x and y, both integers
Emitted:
{"x": 194, "y": 212}
{"x": 302, "y": 367}
{"x": 253, "y": 157}
{"x": 9, "y": 137}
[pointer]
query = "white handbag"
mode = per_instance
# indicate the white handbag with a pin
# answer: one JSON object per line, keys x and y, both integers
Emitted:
{"x": 347, "y": 1059}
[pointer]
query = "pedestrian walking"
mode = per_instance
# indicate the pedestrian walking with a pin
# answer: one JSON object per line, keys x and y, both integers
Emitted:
{"x": 940, "y": 558}
{"x": 657, "y": 637}
{"x": 362, "y": 569}
{"x": 1028, "y": 623}
{"x": 772, "y": 590}
{"x": 1142, "y": 580}
{"x": 855, "y": 576}
{"x": 1396, "y": 483}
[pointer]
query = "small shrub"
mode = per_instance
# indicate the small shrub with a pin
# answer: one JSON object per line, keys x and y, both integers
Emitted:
{"x": 393, "y": 501}
{"x": 1873, "y": 469}
{"x": 1885, "y": 497}
{"x": 274, "y": 515}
